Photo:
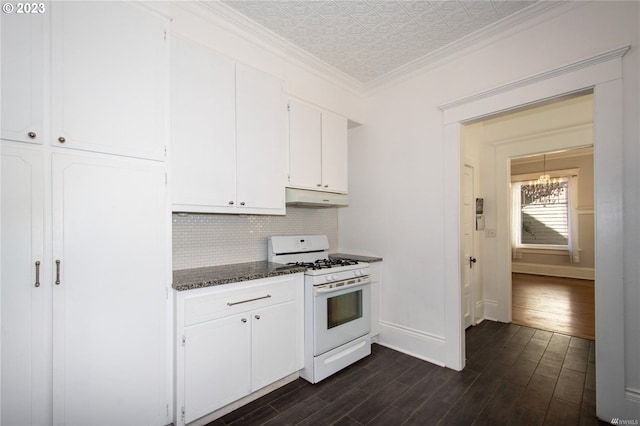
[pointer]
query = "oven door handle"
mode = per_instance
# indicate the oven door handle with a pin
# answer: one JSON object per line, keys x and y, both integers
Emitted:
{"x": 344, "y": 287}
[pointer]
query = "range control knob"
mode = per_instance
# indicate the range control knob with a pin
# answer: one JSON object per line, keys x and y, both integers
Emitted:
{"x": 357, "y": 273}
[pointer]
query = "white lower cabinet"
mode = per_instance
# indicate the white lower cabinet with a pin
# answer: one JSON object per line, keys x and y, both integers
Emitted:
{"x": 84, "y": 295}
{"x": 109, "y": 218}
{"x": 235, "y": 339}
{"x": 26, "y": 291}
{"x": 216, "y": 361}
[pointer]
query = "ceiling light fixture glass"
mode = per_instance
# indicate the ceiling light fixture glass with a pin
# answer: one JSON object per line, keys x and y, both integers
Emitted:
{"x": 544, "y": 190}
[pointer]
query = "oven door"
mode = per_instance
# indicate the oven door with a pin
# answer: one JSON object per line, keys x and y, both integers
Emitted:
{"x": 341, "y": 314}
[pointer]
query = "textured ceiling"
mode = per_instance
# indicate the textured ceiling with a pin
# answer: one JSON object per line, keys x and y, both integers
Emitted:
{"x": 368, "y": 39}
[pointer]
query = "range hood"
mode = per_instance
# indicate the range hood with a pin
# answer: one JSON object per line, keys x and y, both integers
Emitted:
{"x": 315, "y": 199}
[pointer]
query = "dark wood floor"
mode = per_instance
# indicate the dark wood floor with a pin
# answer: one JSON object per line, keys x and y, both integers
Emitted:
{"x": 515, "y": 375}
{"x": 563, "y": 305}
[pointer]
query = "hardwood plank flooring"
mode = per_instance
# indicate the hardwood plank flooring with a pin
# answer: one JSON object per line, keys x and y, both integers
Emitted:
{"x": 515, "y": 375}
{"x": 563, "y": 305}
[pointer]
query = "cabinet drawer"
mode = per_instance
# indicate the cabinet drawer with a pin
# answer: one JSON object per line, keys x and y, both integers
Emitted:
{"x": 221, "y": 303}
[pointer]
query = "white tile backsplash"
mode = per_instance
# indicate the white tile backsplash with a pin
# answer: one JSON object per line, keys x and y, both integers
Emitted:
{"x": 217, "y": 239}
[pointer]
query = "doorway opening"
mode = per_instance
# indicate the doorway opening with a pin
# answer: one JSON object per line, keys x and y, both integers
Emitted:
{"x": 602, "y": 75}
{"x": 552, "y": 237}
{"x": 553, "y": 138}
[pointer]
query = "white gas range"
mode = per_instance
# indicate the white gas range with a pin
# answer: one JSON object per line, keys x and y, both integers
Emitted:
{"x": 337, "y": 304}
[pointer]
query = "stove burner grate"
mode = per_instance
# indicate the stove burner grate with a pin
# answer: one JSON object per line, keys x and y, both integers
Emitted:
{"x": 325, "y": 263}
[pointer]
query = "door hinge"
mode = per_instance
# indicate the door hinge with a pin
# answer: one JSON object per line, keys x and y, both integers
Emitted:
{"x": 184, "y": 340}
{"x": 182, "y": 414}
{"x": 165, "y": 34}
{"x": 288, "y": 107}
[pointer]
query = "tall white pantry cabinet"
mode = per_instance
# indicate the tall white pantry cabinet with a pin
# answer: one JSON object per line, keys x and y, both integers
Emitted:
{"x": 84, "y": 216}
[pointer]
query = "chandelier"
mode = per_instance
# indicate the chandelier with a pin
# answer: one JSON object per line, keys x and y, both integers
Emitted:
{"x": 544, "y": 190}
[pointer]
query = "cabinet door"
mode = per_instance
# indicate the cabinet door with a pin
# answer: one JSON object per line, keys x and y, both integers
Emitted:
{"x": 110, "y": 75}
{"x": 202, "y": 126}
{"x": 260, "y": 165}
{"x": 26, "y": 308}
{"x": 109, "y": 308}
{"x": 304, "y": 146}
{"x": 275, "y": 344}
{"x": 216, "y": 363}
{"x": 22, "y": 77}
{"x": 334, "y": 153}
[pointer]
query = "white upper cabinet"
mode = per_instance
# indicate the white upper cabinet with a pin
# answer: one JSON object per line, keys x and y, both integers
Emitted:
{"x": 109, "y": 78}
{"x": 334, "y": 152}
{"x": 260, "y": 165}
{"x": 305, "y": 146}
{"x": 22, "y": 77}
{"x": 317, "y": 149}
{"x": 226, "y": 137}
{"x": 202, "y": 125}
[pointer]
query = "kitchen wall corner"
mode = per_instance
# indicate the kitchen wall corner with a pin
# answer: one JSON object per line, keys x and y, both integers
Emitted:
{"x": 201, "y": 240}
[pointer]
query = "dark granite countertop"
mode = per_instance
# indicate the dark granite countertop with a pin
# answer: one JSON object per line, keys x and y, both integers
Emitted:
{"x": 359, "y": 258}
{"x": 188, "y": 279}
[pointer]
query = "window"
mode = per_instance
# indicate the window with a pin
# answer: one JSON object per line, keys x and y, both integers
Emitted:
{"x": 545, "y": 219}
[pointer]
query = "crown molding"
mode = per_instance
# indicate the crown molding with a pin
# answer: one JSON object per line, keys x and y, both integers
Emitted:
{"x": 474, "y": 41}
{"x": 237, "y": 23}
{"x": 242, "y": 26}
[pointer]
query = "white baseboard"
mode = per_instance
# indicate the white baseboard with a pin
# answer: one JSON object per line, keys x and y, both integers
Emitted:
{"x": 418, "y": 344}
{"x": 490, "y": 310}
{"x": 554, "y": 270}
{"x": 632, "y": 404}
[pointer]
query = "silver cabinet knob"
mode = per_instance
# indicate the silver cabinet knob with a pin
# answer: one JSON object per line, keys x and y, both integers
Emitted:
{"x": 61, "y": 139}
{"x": 242, "y": 203}
{"x": 326, "y": 186}
{"x": 257, "y": 316}
{"x": 231, "y": 203}
{"x": 319, "y": 185}
{"x": 243, "y": 320}
{"x": 32, "y": 135}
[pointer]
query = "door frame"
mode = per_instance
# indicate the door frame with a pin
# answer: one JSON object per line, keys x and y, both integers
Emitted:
{"x": 602, "y": 74}
{"x": 463, "y": 257}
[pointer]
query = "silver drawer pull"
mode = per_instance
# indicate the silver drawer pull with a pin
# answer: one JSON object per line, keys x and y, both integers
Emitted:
{"x": 58, "y": 272}
{"x": 37, "y": 273}
{"x": 248, "y": 300}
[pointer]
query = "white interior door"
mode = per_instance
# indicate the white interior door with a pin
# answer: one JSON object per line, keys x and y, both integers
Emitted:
{"x": 467, "y": 260}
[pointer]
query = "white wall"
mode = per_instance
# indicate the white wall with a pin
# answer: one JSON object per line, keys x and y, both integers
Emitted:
{"x": 397, "y": 164}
